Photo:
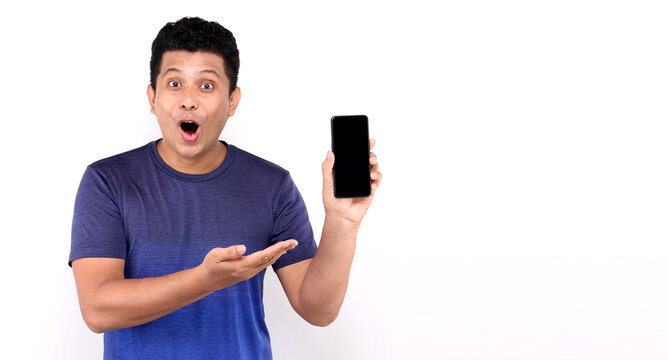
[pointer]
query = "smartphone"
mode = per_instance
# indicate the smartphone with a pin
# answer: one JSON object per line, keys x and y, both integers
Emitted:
{"x": 350, "y": 144}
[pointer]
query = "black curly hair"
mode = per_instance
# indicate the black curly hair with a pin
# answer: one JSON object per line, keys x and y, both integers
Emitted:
{"x": 195, "y": 34}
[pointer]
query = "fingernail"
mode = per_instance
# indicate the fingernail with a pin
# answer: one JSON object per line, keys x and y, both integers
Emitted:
{"x": 330, "y": 156}
{"x": 240, "y": 249}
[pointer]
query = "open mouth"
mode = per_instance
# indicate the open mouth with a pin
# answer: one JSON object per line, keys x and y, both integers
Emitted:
{"x": 189, "y": 127}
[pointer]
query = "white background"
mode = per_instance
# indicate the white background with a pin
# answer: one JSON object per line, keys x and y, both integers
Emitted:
{"x": 524, "y": 147}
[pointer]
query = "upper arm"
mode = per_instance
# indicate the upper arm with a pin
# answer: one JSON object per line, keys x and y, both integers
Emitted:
{"x": 89, "y": 275}
{"x": 98, "y": 229}
{"x": 292, "y": 277}
{"x": 290, "y": 221}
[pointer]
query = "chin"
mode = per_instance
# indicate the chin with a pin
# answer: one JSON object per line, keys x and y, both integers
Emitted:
{"x": 189, "y": 150}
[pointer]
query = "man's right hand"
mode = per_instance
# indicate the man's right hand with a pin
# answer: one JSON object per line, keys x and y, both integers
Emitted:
{"x": 223, "y": 267}
{"x": 109, "y": 301}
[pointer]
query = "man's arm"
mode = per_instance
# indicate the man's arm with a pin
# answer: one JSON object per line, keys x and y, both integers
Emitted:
{"x": 316, "y": 287}
{"x": 108, "y": 301}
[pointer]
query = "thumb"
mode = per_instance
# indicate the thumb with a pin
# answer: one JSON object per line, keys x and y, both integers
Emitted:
{"x": 228, "y": 253}
{"x": 327, "y": 167}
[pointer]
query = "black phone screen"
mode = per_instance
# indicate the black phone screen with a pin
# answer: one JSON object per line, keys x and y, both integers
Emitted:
{"x": 350, "y": 144}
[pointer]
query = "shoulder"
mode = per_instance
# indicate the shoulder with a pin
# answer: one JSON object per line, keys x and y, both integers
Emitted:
{"x": 257, "y": 164}
{"x": 261, "y": 174}
{"x": 117, "y": 169}
{"x": 126, "y": 159}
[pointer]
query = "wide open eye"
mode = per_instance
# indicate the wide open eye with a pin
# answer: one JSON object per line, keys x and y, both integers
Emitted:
{"x": 174, "y": 84}
{"x": 207, "y": 86}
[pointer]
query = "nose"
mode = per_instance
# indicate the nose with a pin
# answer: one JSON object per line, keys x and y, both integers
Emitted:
{"x": 188, "y": 106}
{"x": 188, "y": 102}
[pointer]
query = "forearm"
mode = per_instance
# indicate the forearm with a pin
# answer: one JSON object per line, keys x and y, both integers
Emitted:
{"x": 326, "y": 280}
{"x": 109, "y": 301}
{"x": 316, "y": 288}
{"x": 124, "y": 303}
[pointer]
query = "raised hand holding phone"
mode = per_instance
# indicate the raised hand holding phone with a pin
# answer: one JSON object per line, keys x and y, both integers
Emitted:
{"x": 350, "y": 208}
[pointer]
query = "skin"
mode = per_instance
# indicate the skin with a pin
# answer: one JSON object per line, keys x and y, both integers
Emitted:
{"x": 194, "y": 86}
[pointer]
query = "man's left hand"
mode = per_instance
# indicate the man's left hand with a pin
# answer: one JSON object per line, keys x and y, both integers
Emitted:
{"x": 350, "y": 209}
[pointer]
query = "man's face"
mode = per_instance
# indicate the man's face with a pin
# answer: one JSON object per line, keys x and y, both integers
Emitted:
{"x": 192, "y": 103}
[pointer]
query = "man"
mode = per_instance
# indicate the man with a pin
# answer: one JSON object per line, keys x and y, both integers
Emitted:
{"x": 170, "y": 241}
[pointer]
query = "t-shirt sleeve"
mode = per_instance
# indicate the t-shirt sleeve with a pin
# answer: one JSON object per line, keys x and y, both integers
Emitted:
{"x": 97, "y": 226}
{"x": 291, "y": 222}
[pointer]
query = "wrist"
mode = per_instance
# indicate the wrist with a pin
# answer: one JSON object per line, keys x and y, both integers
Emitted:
{"x": 342, "y": 223}
{"x": 202, "y": 278}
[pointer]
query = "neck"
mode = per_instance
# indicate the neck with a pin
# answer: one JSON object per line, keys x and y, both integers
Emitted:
{"x": 203, "y": 164}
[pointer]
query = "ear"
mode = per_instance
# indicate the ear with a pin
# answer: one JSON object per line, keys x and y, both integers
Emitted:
{"x": 235, "y": 97}
{"x": 151, "y": 97}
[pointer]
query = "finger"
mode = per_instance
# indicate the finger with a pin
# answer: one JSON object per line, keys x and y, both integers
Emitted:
{"x": 372, "y": 143}
{"x": 375, "y": 183}
{"x": 267, "y": 260}
{"x": 327, "y": 177}
{"x": 279, "y": 247}
{"x": 269, "y": 255}
{"x": 373, "y": 159}
{"x": 228, "y": 253}
{"x": 289, "y": 244}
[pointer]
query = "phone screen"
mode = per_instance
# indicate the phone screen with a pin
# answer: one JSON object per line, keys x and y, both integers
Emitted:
{"x": 350, "y": 144}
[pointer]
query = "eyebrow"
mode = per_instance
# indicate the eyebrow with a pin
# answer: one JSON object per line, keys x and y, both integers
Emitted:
{"x": 205, "y": 71}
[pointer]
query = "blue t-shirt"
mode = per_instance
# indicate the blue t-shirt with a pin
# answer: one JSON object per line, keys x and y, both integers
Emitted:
{"x": 133, "y": 206}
